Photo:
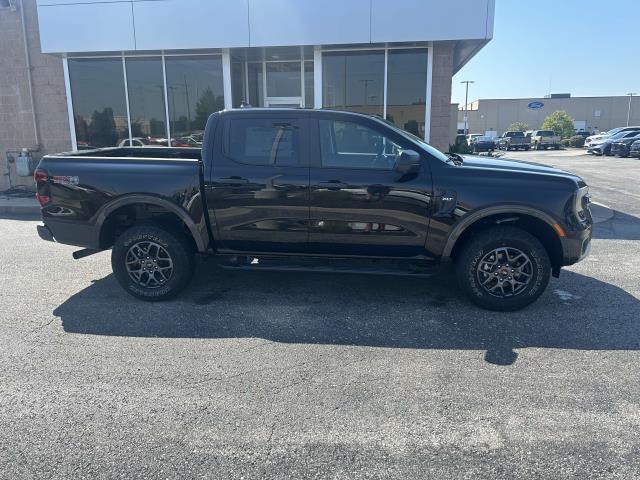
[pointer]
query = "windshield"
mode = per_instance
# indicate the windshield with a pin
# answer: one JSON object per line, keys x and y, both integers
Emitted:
{"x": 623, "y": 134}
{"x": 514, "y": 134}
{"x": 546, "y": 133}
{"x": 424, "y": 145}
{"x": 483, "y": 139}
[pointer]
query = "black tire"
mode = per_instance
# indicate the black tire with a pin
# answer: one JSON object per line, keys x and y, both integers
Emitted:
{"x": 174, "y": 244}
{"x": 481, "y": 245}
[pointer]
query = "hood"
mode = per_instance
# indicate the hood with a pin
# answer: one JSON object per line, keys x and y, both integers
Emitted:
{"x": 595, "y": 137}
{"x": 488, "y": 163}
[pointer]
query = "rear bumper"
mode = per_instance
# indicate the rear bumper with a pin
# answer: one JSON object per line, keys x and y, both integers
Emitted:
{"x": 69, "y": 233}
{"x": 45, "y": 234}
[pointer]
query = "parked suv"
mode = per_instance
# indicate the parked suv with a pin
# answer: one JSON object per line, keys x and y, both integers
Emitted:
{"x": 316, "y": 190}
{"x": 622, "y": 146}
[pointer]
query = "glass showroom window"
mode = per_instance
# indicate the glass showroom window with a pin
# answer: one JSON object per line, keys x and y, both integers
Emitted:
{"x": 353, "y": 81}
{"x": 146, "y": 100}
{"x": 194, "y": 91}
{"x": 272, "y": 77}
{"x": 99, "y": 102}
{"x": 406, "y": 89}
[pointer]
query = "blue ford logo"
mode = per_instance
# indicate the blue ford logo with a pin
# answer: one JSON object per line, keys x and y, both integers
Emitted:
{"x": 535, "y": 105}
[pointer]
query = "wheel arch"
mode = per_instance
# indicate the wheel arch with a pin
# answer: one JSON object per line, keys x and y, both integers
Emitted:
{"x": 539, "y": 224}
{"x": 107, "y": 212}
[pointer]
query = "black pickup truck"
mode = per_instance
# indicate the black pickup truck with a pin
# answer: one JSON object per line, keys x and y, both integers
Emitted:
{"x": 316, "y": 190}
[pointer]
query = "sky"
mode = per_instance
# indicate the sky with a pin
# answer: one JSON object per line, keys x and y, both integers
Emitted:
{"x": 582, "y": 47}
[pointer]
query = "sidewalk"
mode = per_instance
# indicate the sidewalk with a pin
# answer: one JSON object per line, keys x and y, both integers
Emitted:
{"x": 10, "y": 205}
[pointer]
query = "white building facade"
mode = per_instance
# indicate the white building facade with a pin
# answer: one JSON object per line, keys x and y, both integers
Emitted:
{"x": 141, "y": 71}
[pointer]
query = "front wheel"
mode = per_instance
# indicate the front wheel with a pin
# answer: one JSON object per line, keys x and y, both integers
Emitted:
{"x": 152, "y": 263}
{"x": 503, "y": 269}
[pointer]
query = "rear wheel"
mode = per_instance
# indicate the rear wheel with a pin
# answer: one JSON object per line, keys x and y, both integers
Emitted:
{"x": 152, "y": 263}
{"x": 503, "y": 269}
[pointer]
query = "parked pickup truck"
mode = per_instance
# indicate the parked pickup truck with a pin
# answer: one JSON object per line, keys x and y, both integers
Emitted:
{"x": 543, "y": 139}
{"x": 316, "y": 190}
{"x": 515, "y": 141}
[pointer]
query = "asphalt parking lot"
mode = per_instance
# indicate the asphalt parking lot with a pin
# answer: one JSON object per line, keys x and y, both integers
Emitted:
{"x": 269, "y": 375}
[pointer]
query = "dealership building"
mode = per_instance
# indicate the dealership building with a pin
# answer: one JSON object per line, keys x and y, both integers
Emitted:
{"x": 80, "y": 74}
{"x": 590, "y": 114}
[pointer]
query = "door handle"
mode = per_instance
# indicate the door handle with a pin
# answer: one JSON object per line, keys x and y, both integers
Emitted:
{"x": 332, "y": 185}
{"x": 234, "y": 180}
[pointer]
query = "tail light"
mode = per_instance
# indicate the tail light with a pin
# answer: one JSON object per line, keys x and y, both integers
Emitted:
{"x": 41, "y": 177}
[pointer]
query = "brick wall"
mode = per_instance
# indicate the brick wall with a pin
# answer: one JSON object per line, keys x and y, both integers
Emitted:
{"x": 16, "y": 121}
{"x": 441, "y": 96}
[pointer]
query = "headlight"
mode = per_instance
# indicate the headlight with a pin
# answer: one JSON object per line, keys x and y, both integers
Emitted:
{"x": 581, "y": 202}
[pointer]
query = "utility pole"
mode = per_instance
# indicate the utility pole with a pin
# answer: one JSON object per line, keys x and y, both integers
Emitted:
{"x": 631, "y": 94}
{"x": 466, "y": 107}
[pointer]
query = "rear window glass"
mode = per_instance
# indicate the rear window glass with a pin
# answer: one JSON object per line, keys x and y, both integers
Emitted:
{"x": 257, "y": 141}
{"x": 546, "y": 133}
{"x": 515, "y": 134}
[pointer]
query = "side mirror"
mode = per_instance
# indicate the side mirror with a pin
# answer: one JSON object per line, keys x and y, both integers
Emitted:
{"x": 408, "y": 162}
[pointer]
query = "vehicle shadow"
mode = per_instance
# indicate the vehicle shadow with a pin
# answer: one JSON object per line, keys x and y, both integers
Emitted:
{"x": 576, "y": 312}
{"x": 621, "y": 226}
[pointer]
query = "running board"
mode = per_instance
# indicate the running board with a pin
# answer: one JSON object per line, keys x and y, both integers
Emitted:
{"x": 358, "y": 267}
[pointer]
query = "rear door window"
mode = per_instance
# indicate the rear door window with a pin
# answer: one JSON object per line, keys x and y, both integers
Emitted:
{"x": 263, "y": 141}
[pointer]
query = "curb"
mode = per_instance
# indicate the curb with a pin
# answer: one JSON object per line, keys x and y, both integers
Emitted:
{"x": 12, "y": 207}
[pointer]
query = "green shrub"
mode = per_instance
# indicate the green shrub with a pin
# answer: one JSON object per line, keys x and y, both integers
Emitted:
{"x": 577, "y": 141}
{"x": 566, "y": 142}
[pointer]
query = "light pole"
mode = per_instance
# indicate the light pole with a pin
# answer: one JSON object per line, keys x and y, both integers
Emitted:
{"x": 466, "y": 106}
{"x": 631, "y": 94}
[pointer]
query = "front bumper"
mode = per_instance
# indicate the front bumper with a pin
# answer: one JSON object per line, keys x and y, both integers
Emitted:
{"x": 620, "y": 149}
{"x": 597, "y": 149}
{"x": 576, "y": 244}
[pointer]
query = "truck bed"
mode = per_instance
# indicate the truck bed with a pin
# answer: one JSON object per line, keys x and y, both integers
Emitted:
{"x": 81, "y": 189}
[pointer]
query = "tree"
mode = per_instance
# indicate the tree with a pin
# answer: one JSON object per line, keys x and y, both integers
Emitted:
{"x": 518, "y": 127}
{"x": 208, "y": 103}
{"x": 561, "y": 123}
{"x": 102, "y": 130}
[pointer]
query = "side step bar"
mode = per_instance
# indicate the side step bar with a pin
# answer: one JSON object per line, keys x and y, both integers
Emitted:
{"x": 358, "y": 267}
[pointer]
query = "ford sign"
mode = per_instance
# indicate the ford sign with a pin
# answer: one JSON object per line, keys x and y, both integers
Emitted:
{"x": 535, "y": 105}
